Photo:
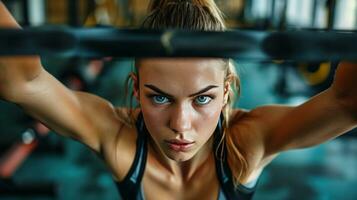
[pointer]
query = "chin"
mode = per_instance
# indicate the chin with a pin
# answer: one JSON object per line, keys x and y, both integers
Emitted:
{"x": 180, "y": 159}
{"x": 180, "y": 156}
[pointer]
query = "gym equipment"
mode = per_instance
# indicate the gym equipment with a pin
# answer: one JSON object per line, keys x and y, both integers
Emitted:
{"x": 302, "y": 45}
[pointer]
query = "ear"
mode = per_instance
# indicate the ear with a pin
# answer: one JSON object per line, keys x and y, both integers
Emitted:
{"x": 226, "y": 94}
{"x": 135, "y": 79}
{"x": 226, "y": 89}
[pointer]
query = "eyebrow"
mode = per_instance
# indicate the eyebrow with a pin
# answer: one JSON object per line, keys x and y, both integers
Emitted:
{"x": 156, "y": 89}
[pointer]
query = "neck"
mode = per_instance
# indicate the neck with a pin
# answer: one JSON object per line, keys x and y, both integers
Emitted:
{"x": 186, "y": 170}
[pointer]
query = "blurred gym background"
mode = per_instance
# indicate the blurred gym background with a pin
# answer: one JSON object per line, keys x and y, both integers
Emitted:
{"x": 35, "y": 163}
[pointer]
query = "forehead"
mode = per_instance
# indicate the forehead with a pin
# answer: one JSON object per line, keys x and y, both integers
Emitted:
{"x": 217, "y": 62}
{"x": 167, "y": 66}
{"x": 181, "y": 72}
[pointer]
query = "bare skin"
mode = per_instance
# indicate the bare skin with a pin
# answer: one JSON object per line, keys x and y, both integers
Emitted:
{"x": 263, "y": 132}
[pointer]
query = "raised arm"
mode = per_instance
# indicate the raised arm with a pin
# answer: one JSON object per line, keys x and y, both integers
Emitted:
{"x": 79, "y": 115}
{"x": 323, "y": 117}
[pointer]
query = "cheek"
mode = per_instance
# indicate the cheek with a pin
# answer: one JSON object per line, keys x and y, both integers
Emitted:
{"x": 154, "y": 119}
{"x": 208, "y": 120}
{"x": 212, "y": 110}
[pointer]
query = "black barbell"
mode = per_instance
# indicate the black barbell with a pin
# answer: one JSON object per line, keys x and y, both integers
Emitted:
{"x": 301, "y": 45}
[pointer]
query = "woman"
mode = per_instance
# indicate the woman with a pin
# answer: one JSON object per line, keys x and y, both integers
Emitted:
{"x": 184, "y": 141}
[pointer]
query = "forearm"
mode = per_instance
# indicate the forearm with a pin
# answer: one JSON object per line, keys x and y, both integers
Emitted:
{"x": 6, "y": 20}
{"x": 345, "y": 87}
{"x": 16, "y": 69}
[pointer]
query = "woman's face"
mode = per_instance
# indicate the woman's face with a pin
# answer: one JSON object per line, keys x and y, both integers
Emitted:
{"x": 181, "y": 101}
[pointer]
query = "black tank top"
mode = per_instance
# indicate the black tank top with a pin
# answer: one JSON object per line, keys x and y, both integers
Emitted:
{"x": 131, "y": 187}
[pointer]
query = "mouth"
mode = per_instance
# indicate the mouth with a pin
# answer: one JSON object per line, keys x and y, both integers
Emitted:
{"x": 179, "y": 145}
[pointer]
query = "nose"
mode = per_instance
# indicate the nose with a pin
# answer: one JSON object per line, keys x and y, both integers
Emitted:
{"x": 181, "y": 119}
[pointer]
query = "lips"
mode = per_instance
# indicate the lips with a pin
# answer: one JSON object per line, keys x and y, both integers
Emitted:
{"x": 179, "y": 142}
{"x": 179, "y": 145}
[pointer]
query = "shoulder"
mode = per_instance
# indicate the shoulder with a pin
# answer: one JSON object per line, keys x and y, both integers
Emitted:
{"x": 119, "y": 150}
{"x": 260, "y": 114}
{"x": 257, "y": 120}
{"x": 248, "y": 130}
{"x": 120, "y": 118}
{"x": 252, "y": 124}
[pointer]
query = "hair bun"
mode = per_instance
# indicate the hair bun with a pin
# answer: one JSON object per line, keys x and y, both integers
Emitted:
{"x": 159, "y": 4}
{"x": 199, "y": 15}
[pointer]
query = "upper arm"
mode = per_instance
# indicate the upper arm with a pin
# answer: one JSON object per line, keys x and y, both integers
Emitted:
{"x": 82, "y": 116}
{"x": 321, "y": 118}
{"x": 85, "y": 117}
{"x": 6, "y": 20}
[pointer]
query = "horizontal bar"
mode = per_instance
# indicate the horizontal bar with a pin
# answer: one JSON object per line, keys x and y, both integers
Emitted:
{"x": 303, "y": 45}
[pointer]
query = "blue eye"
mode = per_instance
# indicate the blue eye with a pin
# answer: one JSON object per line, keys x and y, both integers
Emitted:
{"x": 160, "y": 99}
{"x": 203, "y": 100}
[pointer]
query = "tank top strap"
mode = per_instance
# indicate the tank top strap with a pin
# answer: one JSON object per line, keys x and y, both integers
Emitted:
{"x": 223, "y": 170}
{"x": 131, "y": 185}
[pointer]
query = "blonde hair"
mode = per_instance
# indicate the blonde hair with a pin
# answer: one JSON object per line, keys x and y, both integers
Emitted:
{"x": 199, "y": 15}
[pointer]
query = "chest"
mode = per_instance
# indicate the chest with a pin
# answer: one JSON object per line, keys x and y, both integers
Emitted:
{"x": 153, "y": 190}
{"x": 158, "y": 184}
